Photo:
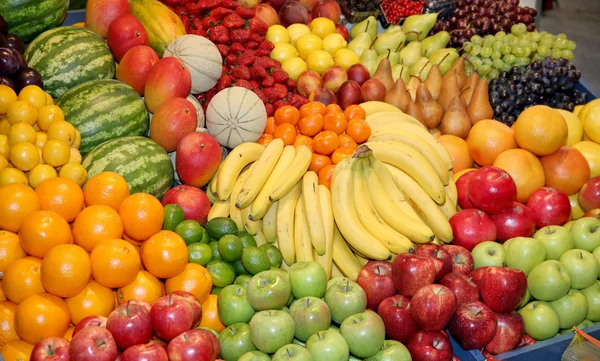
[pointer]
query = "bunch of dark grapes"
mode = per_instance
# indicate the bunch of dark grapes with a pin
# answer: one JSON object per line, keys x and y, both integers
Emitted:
{"x": 483, "y": 17}
{"x": 548, "y": 82}
{"x": 13, "y": 67}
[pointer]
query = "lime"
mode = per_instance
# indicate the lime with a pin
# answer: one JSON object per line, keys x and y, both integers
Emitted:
{"x": 247, "y": 239}
{"x": 242, "y": 280}
{"x": 191, "y": 231}
{"x": 214, "y": 246}
{"x": 222, "y": 273}
{"x": 200, "y": 253}
{"x": 221, "y": 226}
{"x": 273, "y": 254}
{"x": 216, "y": 290}
{"x": 255, "y": 260}
{"x": 230, "y": 248}
{"x": 239, "y": 268}
{"x": 173, "y": 216}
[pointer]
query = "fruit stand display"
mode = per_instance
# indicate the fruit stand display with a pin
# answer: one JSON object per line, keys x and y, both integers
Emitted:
{"x": 297, "y": 180}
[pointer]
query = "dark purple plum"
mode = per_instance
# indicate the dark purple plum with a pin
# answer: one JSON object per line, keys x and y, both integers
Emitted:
{"x": 9, "y": 61}
{"x": 29, "y": 76}
{"x": 15, "y": 42}
{"x": 8, "y": 82}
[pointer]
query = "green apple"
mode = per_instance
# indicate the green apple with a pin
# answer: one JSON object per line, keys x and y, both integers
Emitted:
{"x": 328, "y": 345}
{"x": 269, "y": 290}
{"x": 556, "y": 239}
{"x": 345, "y": 299}
{"x": 582, "y": 267}
{"x": 298, "y": 342}
{"x": 295, "y": 31}
{"x": 283, "y": 51}
{"x": 596, "y": 254}
{"x": 336, "y": 280}
{"x": 541, "y": 321}
{"x": 271, "y": 330}
{"x": 571, "y": 308}
{"x": 592, "y": 294}
{"x": 233, "y": 305}
{"x": 549, "y": 281}
{"x": 345, "y": 58}
{"x": 488, "y": 254}
{"x": 586, "y": 233}
{"x": 310, "y": 315}
{"x": 525, "y": 253}
{"x": 255, "y": 356}
{"x": 565, "y": 331}
{"x": 294, "y": 67}
{"x": 507, "y": 243}
{"x": 292, "y": 352}
{"x": 568, "y": 225}
{"x": 235, "y": 341}
{"x": 364, "y": 332}
{"x": 585, "y": 323}
{"x": 307, "y": 279}
{"x": 333, "y": 42}
{"x": 319, "y": 61}
{"x": 277, "y": 34}
{"x": 525, "y": 299}
{"x": 242, "y": 280}
{"x": 391, "y": 350}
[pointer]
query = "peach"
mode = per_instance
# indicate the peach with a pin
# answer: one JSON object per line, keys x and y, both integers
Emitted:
{"x": 334, "y": 77}
{"x": 308, "y": 82}
{"x": 267, "y": 13}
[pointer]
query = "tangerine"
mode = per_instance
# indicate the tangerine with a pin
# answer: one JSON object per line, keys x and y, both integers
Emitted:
{"x": 115, "y": 263}
{"x": 142, "y": 215}
{"x": 318, "y": 162}
{"x": 341, "y": 153}
{"x": 326, "y": 142}
{"x": 95, "y": 224}
{"x": 107, "y": 188}
{"x": 43, "y": 230}
{"x": 62, "y": 196}
{"x": 165, "y": 254}
{"x": 335, "y": 122}
{"x": 311, "y": 124}
{"x": 325, "y": 175}
{"x": 287, "y": 132}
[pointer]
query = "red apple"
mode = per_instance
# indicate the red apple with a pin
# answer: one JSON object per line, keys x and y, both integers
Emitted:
{"x": 462, "y": 189}
{"x": 462, "y": 286}
{"x": 373, "y": 90}
{"x": 395, "y": 313}
{"x": 323, "y": 95}
{"x": 343, "y": 31}
{"x": 159, "y": 342}
{"x": 146, "y": 305}
{"x": 88, "y": 321}
{"x": 510, "y": 329}
{"x": 130, "y": 324}
{"x": 411, "y": 272}
{"x": 376, "y": 279}
{"x": 124, "y": 33}
{"x": 193, "y": 345}
{"x": 145, "y": 352}
{"x": 589, "y": 194}
{"x": 349, "y": 94}
{"x": 173, "y": 119}
{"x": 503, "y": 288}
{"x": 99, "y": 14}
{"x": 135, "y": 65}
{"x": 430, "y": 346}
{"x": 462, "y": 261}
{"x": 359, "y": 73}
{"x": 473, "y": 326}
{"x": 168, "y": 78}
{"x": 492, "y": 190}
{"x": 526, "y": 341}
{"x": 517, "y": 221}
{"x": 440, "y": 257}
{"x": 308, "y": 81}
{"x": 198, "y": 158}
{"x": 471, "y": 227}
{"x": 550, "y": 206}
{"x": 194, "y": 302}
{"x": 93, "y": 344}
{"x": 327, "y": 9}
{"x": 171, "y": 315}
{"x": 594, "y": 213}
{"x": 334, "y": 77}
{"x": 292, "y": 12}
{"x": 192, "y": 200}
{"x": 477, "y": 275}
{"x": 432, "y": 306}
{"x": 268, "y": 14}
{"x": 51, "y": 349}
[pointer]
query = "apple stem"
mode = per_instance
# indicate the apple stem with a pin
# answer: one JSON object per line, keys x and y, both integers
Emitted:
{"x": 50, "y": 350}
{"x": 346, "y": 286}
{"x": 127, "y": 307}
{"x": 100, "y": 343}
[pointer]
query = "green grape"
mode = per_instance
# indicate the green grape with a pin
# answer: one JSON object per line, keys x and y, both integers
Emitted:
{"x": 487, "y": 61}
{"x": 547, "y": 39}
{"x": 518, "y": 51}
{"x": 500, "y": 36}
{"x": 524, "y": 42}
{"x": 488, "y": 40}
{"x": 508, "y": 38}
{"x": 543, "y": 50}
{"x": 476, "y": 50}
{"x": 527, "y": 51}
{"x": 535, "y": 36}
{"x": 561, "y": 44}
{"x": 514, "y": 42}
{"x": 506, "y": 67}
{"x": 496, "y": 54}
{"x": 477, "y": 40}
{"x": 468, "y": 68}
{"x": 468, "y": 46}
{"x": 556, "y": 53}
{"x": 493, "y": 74}
{"x": 521, "y": 61}
{"x": 538, "y": 57}
{"x": 533, "y": 46}
{"x": 571, "y": 45}
{"x": 497, "y": 45}
{"x": 506, "y": 49}
{"x": 510, "y": 59}
{"x": 567, "y": 54}
{"x": 477, "y": 63}
{"x": 498, "y": 63}
{"x": 561, "y": 36}
{"x": 484, "y": 70}
{"x": 486, "y": 52}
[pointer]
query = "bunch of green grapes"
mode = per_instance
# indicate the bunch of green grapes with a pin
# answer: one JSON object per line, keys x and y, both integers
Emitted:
{"x": 492, "y": 54}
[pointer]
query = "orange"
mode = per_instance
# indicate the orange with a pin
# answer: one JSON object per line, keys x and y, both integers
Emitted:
{"x": 458, "y": 150}
{"x": 355, "y": 112}
{"x": 270, "y": 127}
{"x": 16, "y": 351}
{"x": 287, "y": 114}
{"x": 69, "y": 334}
{"x": 524, "y": 168}
{"x": 43, "y": 230}
{"x": 487, "y": 139}
{"x": 210, "y": 314}
{"x": 311, "y": 124}
{"x": 333, "y": 108}
{"x": 2, "y": 296}
{"x": 264, "y": 139}
{"x": 341, "y": 153}
{"x": 318, "y": 162}
{"x": 10, "y": 249}
{"x": 358, "y": 130}
{"x": 16, "y": 202}
{"x": 62, "y": 196}
{"x": 566, "y": 169}
{"x": 7, "y": 322}
{"x": 541, "y": 130}
{"x": 335, "y": 121}
{"x": 325, "y": 175}
{"x": 66, "y": 270}
{"x": 312, "y": 108}
{"x": 303, "y": 140}
{"x": 457, "y": 175}
{"x": 164, "y": 254}
{"x": 146, "y": 287}
{"x": 94, "y": 299}
{"x": 115, "y": 263}
{"x": 142, "y": 216}
{"x": 41, "y": 316}
{"x": 22, "y": 278}
{"x": 194, "y": 279}
{"x": 347, "y": 141}
{"x": 107, "y": 188}
{"x": 287, "y": 132}
{"x": 326, "y": 142}
{"x": 95, "y": 224}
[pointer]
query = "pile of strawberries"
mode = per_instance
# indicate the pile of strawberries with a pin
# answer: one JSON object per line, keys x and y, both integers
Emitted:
{"x": 240, "y": 37}
{"x": 396, "y": 10}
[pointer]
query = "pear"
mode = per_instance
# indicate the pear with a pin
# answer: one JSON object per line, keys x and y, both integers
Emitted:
{"x": 479, "y": 107}
{"x": 398, "y": 96}
{"x": 392, "y": 28}
{"x": 445, "y": 58}
{"x": 384, "y": 73}
{"x": 421, "y": 68}
{"x": 419, "y": 26}
{"x": 467, "y": 91}
{"x": 434, "y": 81}
{"x": 369, "y": 26}
{"x": 431, "y": 110}
{"x": 449, "y": 90}
{"x": 394, "y": 57}
{"x": 360, "y": 43}
{"x": 434, "y": 42}
{"x": 414, "y": 111}
{"x": 456, "y": 120}
{"x": 458, "y": 68}
{"x": 400, "y": 71}
{"x": 388, "y": 41}
{"x": 436, "y": 132}
{"x": 369, "y": 60}
{"x": 411, "y": 53}
{"x": 412, "y": 85}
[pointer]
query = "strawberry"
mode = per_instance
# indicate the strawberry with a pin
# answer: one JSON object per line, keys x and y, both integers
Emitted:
{"x": 193, "y": 8}
{"x": 254, "y": 84}
{"x": 256, "y": 37}
{"x": 230, "y": 59}
{"x": 196, "y": 22}
{"x": 236, "y": 47}
{"x": 251, "y": 44}
{"x": 266, "y": 45}
{"x": 230, "y": 4}
{"x": 271, "y": 94}
{"x": 280, "y": 76}
{"x": 280, "y": 103}
{"x": 268, "y": 81}
{"x": 244, "y": 12}
{"x": 282, "y": 90}
{"x": 297, "y": 100}
{"x": 262, "y": 62}
{"x": 260, "y": 95}
{"x": 240, "y": 35}
{"x": 258, "y": 73}
{"x": 270, "y": 110}
{"x": 218, "y": 34}
{"x": 290, "y": 84}
{"x": 208, "y": 22}
{"x": 258, "y": 26}
{"x": 223, "y": 49}
{"x": 225, "y": 81}
{"x": 246, "y": 59}
{"x": 241, "y": 72}
{"x": 219, "y": 13}
{"x": 233, "y": 21}
{"x": 243, "y": 83}
{"x": 209, "y": 4}
{"x": 199, "y": 32}
{"x": 263, "y": 52}
{"x": 225, "y": 69}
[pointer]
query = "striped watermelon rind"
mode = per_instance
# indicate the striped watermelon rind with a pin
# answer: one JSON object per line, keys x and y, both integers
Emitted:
{"x": 102, "y": 110}
{"x": 142, "y": 162}
{"x": 29, "y": 18}
{"x": 68, "y": 56}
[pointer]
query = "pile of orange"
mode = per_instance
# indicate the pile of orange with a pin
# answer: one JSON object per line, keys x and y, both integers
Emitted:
{"x": 331, "y": 133}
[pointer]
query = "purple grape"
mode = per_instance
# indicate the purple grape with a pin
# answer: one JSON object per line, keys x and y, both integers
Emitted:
{"x": 9, "y": 61}
{"x": 8, "y": 82}
{"x": 3, "y": 25}
{"x": 526, "y": 19}
{"x": 469, "y": 33}
{"x": 29, "y": 76}
{"x": 496, "y": 28}
{"x": 531, "y": 27}
{"x": 15, "y": 42}
{"x": 532, "y": 12}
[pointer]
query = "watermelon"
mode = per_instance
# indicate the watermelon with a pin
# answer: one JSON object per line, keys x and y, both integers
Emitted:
{"x": 68, "y": 56}
{"x": 29, "y": 18}
{"x": 142, "y": 162}
{"x": 103, "y": 110}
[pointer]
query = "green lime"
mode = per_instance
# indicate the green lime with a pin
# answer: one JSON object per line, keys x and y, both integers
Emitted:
{"x": 242, "y": 280}
{"x": 200, "y": 253}
{"x": 191, "y": 231}
{"x": 216, "y": 290}
{"x": 273, "y": 254}
{"x": 173, "y": 216}
{"x": 255, "y": 260}
{"x": 230, "y": 248}
{"x": 221, "y": 226}
{"x": 214, "y": 246}
{"x": 247, "y": 239}
{"x": 239, "y": 268}
{"x": 222, "y": 273}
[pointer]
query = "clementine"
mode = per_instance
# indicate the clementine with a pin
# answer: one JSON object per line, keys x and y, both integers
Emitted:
{"x": 66, "y": 270}
{"x": 194, "y": 279}
{"x": 165, "y": 254}
{"x": 95, "y": 224}
{"x": 42, "y": 230}
{"x": 115, "y": 263}
{"x": 16, "y": 202}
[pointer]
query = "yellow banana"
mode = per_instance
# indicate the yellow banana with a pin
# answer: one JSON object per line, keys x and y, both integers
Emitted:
{"x": 293, "y": 174}
{"x": 212, "y": 185}
{"x": 219, "y": 209}
{"x": 344, "y": 258}
{"x": 361, "y": 259}
{"x": 286, "y": 207}
{"x": 378, "y": 119}
{"x": 451, "y": 191}
{"x": 372, "y": 107}
{"x": 232, "y": 166}
{"x": 269, "y": 223}
{"x": 251, "y": 226}
{"x": 448, "y": 208}
{"x": 328, "y": 226}
{"x": 234, "y": 212}
{"x": 211, "y": 198}
{"x": 335, "y": 272}
{"x": 312, "y": 211}
{"x": 260, "y": 239}
{"x": 302, "y": 245}
{"x": 264, "y": 166}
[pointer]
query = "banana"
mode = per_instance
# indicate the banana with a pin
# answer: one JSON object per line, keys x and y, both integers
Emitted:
{"x": 269, "y": 223}
{"x": 264, "y": 166}
{"x": 251, "y": 226}
{"x": 261, "y": 203}
{"x": 413, "y": 163}
{"x": 302, "y": 245}
{"x": 260, "y": 239}
{"x": 211, "y": 197}
{"x": 423, "y": 205}
{"x": 361, "y": 259}
{"x": 448, "y": 208}
{"x": 346, "y": 218}
{"x": 293, "y": 174}
{"x": 414, "y": 229}
{"x": 451, "y": 191}
{"x": 312, "y": 211}
{"x": 234, "y": 212}
{"x": 219, "y": 209}
{"x": 328, "y": 226}
{"x": 335, "y": 272}
{"x": 344, "y": 258}
{"x": 372, "y": 107}
{"x": 286, "y": 207}
{"x": 232, "y": 166}
{"x": 379, "y": 119}
{"x": 438, "y": 242}
{"x": 212, "y": 185}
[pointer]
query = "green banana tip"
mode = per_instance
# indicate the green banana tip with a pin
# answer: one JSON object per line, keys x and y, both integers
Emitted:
{"x": 363, "y": 151}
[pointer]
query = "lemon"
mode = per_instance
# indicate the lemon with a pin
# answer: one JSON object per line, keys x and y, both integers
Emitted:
{"x": 574, "y": 126}
{"x": 322, "y": 27}
{"x": 283, "y": 51}
{"x": 294, "y": 67}
{"x": 308, "y": 43}
{"x": 345, "y": 58}
{"x": 277, "y": 34}
{"x": 295, "y": 31}
{"x": 319, "y": 61}
{"x": 591, "y": 153}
